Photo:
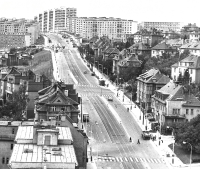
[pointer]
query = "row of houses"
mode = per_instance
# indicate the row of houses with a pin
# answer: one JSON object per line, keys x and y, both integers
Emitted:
{"x": 165, "y": 99}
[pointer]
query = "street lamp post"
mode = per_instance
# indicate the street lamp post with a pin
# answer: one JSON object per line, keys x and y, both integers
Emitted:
{"x": 184, "y": 142}
{"x": 98, "y": 64}
{"x": 107, "y": 70}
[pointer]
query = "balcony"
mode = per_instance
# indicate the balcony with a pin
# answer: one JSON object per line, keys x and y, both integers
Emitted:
{"x": 7, "y": 137}
{"x": 174, "y": 116}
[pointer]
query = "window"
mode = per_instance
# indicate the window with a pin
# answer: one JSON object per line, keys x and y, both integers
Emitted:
{"x": 3, "y": 160}
{"x": 7, "y": 160}
{"x": 174, "y": 69}
{"x": 191, "y": 71}
{"x": 187, "y": 111}
{"x": 47, "y": 140}
{"x": 192, "y": 111}
{"x": 13, "y": 131}
{"x": 11, "y": 146}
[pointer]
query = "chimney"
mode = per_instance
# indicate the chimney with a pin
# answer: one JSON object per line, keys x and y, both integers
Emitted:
{"x": 66, "y": 92}
{"x": 154, "y": 80}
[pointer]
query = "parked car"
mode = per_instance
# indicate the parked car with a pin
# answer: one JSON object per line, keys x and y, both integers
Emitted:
{"x": 146, "y": 135}
{"x": 110, "y": 98}
{"x": 92, "y": 74}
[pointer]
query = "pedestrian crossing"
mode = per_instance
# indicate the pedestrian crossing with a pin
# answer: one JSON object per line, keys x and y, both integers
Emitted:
{"x": 95, "y": 94}
{"x": 129, "y": 159}
{"x": 83, "y": 85}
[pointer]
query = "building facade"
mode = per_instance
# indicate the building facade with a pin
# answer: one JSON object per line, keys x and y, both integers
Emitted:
{"x": 19, "y": 32}
{"x": 147, "y": 83}
{"x": 172, "y": 103}
{"x": 113, "y": 28}
{"x": 165, "y": 26}
{"x": 190, "y": 63}
{"x": 58, "y": 19}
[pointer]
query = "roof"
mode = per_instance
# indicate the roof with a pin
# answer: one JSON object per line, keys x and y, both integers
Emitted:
{"x": 176, "y": 92}
{"x": 111, "y": 51}
{"x": 170, "y": 88}
{"x": 154, "y": 76}
{"x": 192, "y": 45}
{"x": 36, "y": 156}
{"x": 139, "y": 46}
{"x": 193, "y": 60}
{"x": 163, "y": 46}
{"x": 26, "y": 133}
{"x": 131, "y": 58}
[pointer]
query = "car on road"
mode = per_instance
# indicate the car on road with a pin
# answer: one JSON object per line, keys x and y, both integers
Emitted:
{"x": 85, "y": 72}
{"x": 110, "y": 98}
{"x": 146, "y": 135}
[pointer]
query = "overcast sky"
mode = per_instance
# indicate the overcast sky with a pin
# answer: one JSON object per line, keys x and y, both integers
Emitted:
{"x": 137, "y": 10}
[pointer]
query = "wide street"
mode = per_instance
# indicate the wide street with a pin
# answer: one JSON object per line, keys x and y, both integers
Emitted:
{"x": 111, "y": 125}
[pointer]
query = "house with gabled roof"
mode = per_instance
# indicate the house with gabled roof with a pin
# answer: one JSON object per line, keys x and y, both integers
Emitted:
{"x": 147, "y": 83}
{"x": 109, "y": 53}
{"x": 163, "y": 48}
{"x": 174, "y": 103}
{"x": 192, "y": 63}
{"x": 193, "y": 47}
{"x": 140, "y": 49}
{"x": 58, "y": 101}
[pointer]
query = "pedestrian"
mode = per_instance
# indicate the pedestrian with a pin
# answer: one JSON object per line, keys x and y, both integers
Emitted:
{"x": 130, "y": 139}
{"x": 138, "y": 142}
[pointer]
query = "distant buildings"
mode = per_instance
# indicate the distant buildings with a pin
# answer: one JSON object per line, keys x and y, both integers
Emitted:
{"x": 165, "y": 26}
{"x": 58, "y": 19}
{"x": 18, "y": 32}
{"x": 113, "y": 28}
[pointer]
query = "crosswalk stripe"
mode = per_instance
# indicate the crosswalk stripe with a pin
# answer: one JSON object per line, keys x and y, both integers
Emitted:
{"x": 131, "y": 159}
{"x": 136, "y": 159}
{"x": 142, "y": 160}
{"x": 125, "y": 159}
{"x": 148, "y": 160}
{"x": 121, "y": 159}
{"x": 155, "y": 160}
{"x": 117, "y": 159}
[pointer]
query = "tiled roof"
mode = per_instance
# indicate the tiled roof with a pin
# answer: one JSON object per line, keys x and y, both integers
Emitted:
{"x": 170, "y": 88}
{"x": 133, "y": 59}
{"x": 111, "y": 51}
{"x": 154, "y": 76}
{"x": 163, "y": 46}
{"x": 139, "y": 46}
{"x": 192, "y": 59}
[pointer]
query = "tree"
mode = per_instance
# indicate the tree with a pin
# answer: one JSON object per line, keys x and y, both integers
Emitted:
{"x": 189, "y": 132}
{"x": 127, "y": 44}
{"x": 13, "y": 50}
{"x": 14, "y": 108}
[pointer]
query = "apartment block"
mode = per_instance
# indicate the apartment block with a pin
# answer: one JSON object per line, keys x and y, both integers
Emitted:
{"x": 165, "y": 26}
{"x": 57, "y": 19}
{"x": 113, "y": 28}
{"x": 18, "y": 32}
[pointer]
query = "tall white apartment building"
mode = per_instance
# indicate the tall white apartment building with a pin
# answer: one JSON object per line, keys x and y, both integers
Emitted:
{"x": 165, "y": 26}
{"x": 14, "y": 29}
{"x": 113, "y": 28}
{"x": 56, "y": 19}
